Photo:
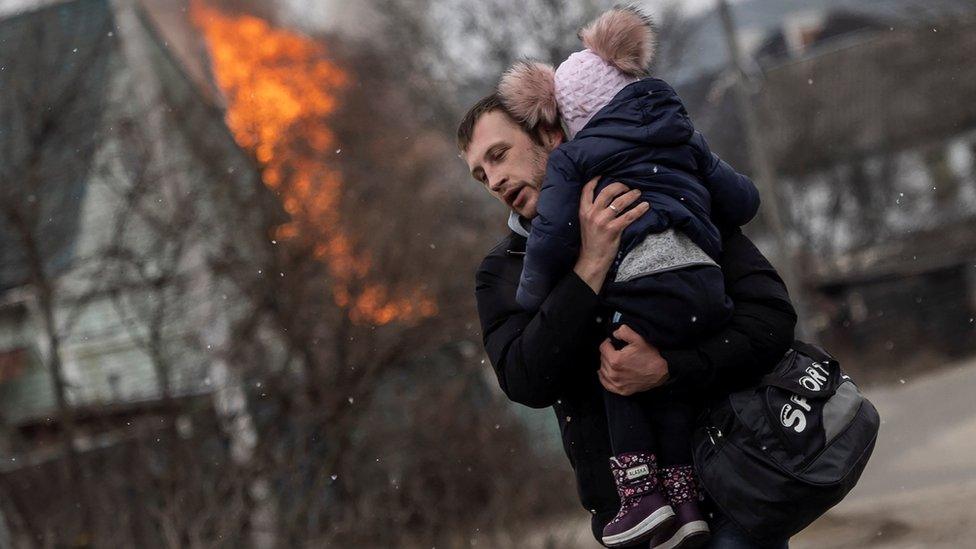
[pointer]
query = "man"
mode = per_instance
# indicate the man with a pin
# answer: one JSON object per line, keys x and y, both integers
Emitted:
{"x": 560, "y": 356}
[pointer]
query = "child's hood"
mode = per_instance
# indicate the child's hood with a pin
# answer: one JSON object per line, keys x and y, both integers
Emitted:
{"x": 647, "y": 111}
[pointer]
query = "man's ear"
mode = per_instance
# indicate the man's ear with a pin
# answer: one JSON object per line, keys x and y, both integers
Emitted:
{"x": 551, "y": 137}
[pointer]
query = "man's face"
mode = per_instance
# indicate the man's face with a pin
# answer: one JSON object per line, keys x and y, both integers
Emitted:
{"x": 505, "y": 159}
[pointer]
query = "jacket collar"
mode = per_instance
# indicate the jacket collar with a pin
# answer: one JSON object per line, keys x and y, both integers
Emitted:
{"x": 519, "y": 225}
{"x": 517, "y": 238}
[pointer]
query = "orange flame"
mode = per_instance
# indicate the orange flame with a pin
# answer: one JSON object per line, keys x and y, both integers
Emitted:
{"x": 281, "y": 88}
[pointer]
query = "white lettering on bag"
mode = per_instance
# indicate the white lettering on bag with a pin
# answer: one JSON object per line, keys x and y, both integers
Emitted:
{"x": 822, "y": 379}
{"x": 820, "y": 367}
{"x": 801, "y": 402}
{"x": 811, "y": 383}
{"x": 793, "y": 418}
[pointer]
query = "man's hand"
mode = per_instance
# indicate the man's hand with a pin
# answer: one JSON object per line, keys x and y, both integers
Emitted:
{"x": 635, "y": 368}
{"x": 601, "y": 226}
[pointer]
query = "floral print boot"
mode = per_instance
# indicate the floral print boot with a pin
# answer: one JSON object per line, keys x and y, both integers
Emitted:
{"x": 644, "y": 510}
{"x": 689, "y": 529}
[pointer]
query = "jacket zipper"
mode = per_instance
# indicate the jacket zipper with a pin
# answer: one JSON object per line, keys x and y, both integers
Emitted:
{"x": 713, "y": 433}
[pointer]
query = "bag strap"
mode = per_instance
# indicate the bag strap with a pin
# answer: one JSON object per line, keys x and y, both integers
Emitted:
{"x": 812, "y": 351}
{"x": 772, "y": 381}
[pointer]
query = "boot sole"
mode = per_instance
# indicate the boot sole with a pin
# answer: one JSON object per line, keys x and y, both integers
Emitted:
{"x": 689, "y": 536}
{"x": 644, "y": 530}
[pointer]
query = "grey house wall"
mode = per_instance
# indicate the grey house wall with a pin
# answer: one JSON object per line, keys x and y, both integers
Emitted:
{"x": 145, "y": 86}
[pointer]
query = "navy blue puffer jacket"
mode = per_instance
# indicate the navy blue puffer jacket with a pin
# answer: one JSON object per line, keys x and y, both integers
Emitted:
{"x": 644, "y": 139}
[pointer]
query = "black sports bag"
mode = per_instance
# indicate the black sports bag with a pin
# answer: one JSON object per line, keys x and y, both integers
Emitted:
{"x": 777, "y": 456}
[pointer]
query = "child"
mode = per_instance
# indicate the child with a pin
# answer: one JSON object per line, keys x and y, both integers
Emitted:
{"x": 665, "y": 282}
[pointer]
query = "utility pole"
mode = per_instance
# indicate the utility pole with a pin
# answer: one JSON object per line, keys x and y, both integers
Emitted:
{"x": 765, "y": 176}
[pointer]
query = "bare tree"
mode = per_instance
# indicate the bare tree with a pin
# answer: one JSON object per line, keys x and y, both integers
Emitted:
{"x": 361, "y": 280}
{"x": 459, "y": 48}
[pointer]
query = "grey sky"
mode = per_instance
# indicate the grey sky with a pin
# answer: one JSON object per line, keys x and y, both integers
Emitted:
{"x": 690, "y": 7}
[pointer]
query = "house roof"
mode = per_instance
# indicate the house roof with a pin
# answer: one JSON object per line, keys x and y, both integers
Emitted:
{"x": 170, "y": 20}
{"x": 55, "y": 64}
{"x": 75, "y": 45}
{"x": 170, "y": 17}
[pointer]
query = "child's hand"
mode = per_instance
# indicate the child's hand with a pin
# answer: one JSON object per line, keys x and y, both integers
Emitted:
{"x": 635, "y": 368}
{"x": 602, "y": 221}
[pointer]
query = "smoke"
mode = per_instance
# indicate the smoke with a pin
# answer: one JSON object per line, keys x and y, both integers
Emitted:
{"x": 356, "y": 20}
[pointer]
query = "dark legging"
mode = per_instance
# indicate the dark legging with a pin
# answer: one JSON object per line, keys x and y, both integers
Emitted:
{"x": 651, "y": 422}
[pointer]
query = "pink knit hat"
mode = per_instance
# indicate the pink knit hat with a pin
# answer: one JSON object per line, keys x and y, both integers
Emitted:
{"x": 619, "y": 47}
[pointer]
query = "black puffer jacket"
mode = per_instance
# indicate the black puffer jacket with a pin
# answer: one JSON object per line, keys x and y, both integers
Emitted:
{"x": 549, "y": 357}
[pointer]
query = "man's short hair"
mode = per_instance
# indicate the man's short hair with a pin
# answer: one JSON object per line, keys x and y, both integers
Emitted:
{"x": 485, "y": 105}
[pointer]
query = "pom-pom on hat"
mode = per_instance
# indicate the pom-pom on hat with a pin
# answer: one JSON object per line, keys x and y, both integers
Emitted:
{"x": 619, "y": 47}
{"x": 624, "y": 38}
{"x": 528, "y": 91}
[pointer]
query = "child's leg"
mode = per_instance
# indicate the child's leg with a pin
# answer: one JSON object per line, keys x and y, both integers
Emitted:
{"x": 673, "y": 420}
{"x": 630, "y": 426}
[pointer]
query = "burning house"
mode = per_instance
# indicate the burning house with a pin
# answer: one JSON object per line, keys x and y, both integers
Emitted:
{"x": 181, "y": 291}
